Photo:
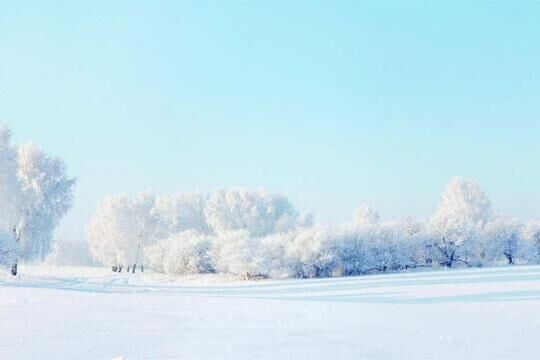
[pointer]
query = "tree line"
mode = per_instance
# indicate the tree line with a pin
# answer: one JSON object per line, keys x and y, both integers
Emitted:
{"x": 255, "y": 233}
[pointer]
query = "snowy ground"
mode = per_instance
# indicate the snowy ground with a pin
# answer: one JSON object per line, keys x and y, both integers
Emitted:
{"x": 89, "y": 313}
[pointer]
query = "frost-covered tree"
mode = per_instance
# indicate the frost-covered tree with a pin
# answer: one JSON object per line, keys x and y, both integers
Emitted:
{"x": 121, "y": 228}
{"x": 372, "y": 245}
{"x": 47, "y": 195}
{"x": 383, "y": 250}
{"x": 238, "y": 216}
{"x": 462, "y": 214}
{"x": 145, "y": 224}
{"x": 175, "y": 213}
{"x": 504, "y": 240}
{"x": 274, "y": 248}
{"x": 254, "y": 233}
{"x": 531, "y": 236}
{"x": 10, "y": 210}
{"x": 352, "y": 253}
{"x": 35, "y": 193}
{"x": 10, "y": 188}
{"x": 365, "y": 216}
{"x": 258, "y": 212}
{"x": 181, "y": 254}
{"x": 8, "y": 246}
{"x": 239, "y": 253}
{"x": 414, "y": 243}
{"x": 312, "y": 252}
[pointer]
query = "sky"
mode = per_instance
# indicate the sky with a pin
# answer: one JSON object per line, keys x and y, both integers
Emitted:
{"x": 333, "y": 104}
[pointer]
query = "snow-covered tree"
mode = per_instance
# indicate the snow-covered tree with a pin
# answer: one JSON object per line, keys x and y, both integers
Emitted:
{"x": 254, "y": 233}
{"x": 274, "y": 248}
{"x": 182, "y": 254}
{"x": 312, "y": 252}
{"x": 258, "y": 212}
{"x": 531, "y": 236}
{"x": 239, "y": 253}
{"x": 121, "y": 228}
{"x": 8, "y": 249}
{"x": 383, "y": 252}
{"x": 10, "y": 200}
{"x": 504, "y": 240}
{"x": 463, "y": 212}
{"x": 179, "y": 212}
{"x": 365, "y": 216}
{"x": 47, "y": 195}
{"x": 414, "y": 243}
{"x": 35, "y": 193}
{"x": 352, "y": 253}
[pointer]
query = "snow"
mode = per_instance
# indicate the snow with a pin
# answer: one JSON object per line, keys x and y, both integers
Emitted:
{"x": 91, "y": 313}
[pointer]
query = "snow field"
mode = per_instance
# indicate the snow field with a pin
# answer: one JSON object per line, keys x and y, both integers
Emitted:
{"x": 90, "y": 313}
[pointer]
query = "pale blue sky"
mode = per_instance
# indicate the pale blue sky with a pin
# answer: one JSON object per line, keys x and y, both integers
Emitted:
{"x": 332, "y": 104}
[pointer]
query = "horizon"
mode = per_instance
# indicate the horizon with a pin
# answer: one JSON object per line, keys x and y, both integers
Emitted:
{"x": 331, "y": 105}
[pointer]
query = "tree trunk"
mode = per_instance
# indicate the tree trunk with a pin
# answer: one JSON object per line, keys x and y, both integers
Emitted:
{"x": 17, "y": 236}
{"x": 509, "y": 258}
{"x": 120, "y": 268}
{"x": 134, "y": 267}
{"x": 14, "y": 269}
{"x": 451, "y": 259}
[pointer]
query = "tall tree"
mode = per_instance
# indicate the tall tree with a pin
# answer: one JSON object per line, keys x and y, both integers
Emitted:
{"x": 464, "y": 211}
{"x": 35, "y": 193}
{"x": 11, "y": 219}
{"x": 46, "y": 196}
{"x": 120, "y": 229}
{"x": 365, "y": 216}
{"x": 258, "y": 212}
{"x": 504, "y": 240}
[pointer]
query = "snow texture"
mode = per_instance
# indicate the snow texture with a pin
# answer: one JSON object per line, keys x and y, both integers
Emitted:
{"x": 89, "y": 313}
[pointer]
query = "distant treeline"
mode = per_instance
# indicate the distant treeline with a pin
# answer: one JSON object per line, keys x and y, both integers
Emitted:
{"x": 257, "y": 234}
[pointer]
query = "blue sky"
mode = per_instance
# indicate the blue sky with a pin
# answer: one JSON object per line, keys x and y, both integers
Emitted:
{"x": 330, "y": 103}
